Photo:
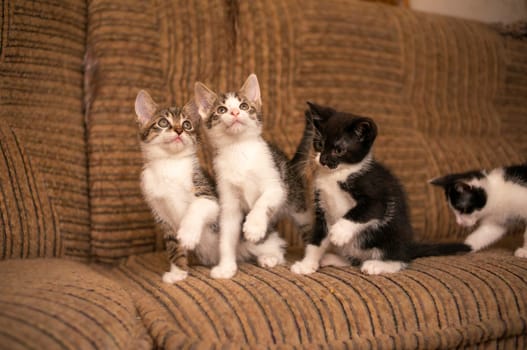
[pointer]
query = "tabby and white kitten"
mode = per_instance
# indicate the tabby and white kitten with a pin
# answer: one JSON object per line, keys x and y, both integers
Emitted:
{"x": 361, "y": 210}
{"x": 257, "y": 184}
{"x": 492, "y": 199}
{"x": 181, "y": 195}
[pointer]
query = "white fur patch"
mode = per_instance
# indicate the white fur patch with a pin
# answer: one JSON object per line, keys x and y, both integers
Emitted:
{"x": 521, "y": 252}
{"x": 224, "y": 270}
{"x": 486, "y": 234}
{"x": 377, "y": 267}
{"x": 334, "y": 200}
{"x": 175, "y": 275}
{"x": 311, "y": 260}
{"x": 343, "y": 231}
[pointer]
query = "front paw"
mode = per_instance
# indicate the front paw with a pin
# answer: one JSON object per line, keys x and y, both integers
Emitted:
{"x": 255, "y": 227}
{"x": 341, "y": 233}
{"x": 174, "y": 276}
{"x": 188, "y": 236}
{"x": 521, "y": 253}
{"x": 223, "y": 271}
{"x": 304, "y": 267}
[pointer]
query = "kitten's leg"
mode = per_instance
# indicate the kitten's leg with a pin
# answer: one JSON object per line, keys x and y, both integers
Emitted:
{"x": 522, "y": 252}
{"x": 269, "y": 253}
{"x": 377, "y": 267}
{"x": 330, "y": 259}
{"x": 303, "y": 220}
{"x": 200, "y": 213}
{"x": 177, "y": 256}
{"x": 318, "y": 243}
{"x": 344, "y": 231}
{"x": 311, "y": 261}
{"x": 484, "y": 235}
{"x": 366, "y": 213}
{"x": 230, "y": 221}
{"x": 256, "y": 222}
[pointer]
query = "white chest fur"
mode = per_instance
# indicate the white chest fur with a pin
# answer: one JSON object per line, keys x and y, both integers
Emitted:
{"x": 246, "y": 167}
{"x": 334, "y": 200}
{"x": 506, "y": 199}
{"x": 168, "y": 187}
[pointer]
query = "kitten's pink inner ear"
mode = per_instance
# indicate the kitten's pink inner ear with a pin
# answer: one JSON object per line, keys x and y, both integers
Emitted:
{"x": 251, "y": 89}
{"x": 204, "y": 98}
{"x": 145, "y": 107}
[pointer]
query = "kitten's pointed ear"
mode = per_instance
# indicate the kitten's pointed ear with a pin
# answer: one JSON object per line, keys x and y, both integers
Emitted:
{"x": 204, "y": 99}
{"x": 251, "y": 90}
{"x": 365, "y": 129}
{"x": 319, "y": 114}
{"x": 439, "y": 181}
{"x": 145, "y": 107}
{"x": 191, "y": 110}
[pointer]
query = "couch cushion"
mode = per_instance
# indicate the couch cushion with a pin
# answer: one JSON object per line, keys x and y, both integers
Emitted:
{"x": 438, "y": 302}
{"x": 61, "y": 304}
{"x": 448, "y": 94}
{"x": 43, "y": 162}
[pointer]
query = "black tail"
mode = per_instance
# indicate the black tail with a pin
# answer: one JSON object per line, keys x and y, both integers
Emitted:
{"x": 419, "y": 250}
{"x": 301, "y": 155}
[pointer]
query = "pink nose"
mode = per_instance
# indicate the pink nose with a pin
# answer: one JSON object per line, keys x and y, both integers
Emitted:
{"x": 235, "y": 112}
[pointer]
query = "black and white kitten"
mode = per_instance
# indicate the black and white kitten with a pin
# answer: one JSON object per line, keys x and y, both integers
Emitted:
{"x": 257, "y": 184}
{"x": 492, "y": 199}
{"x": 361, "y": 210}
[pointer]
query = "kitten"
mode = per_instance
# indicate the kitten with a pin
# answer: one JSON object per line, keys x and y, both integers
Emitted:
{"x": 257, "y": 184}
{"x": 494, "y": 200}
{"x": 181, "y": 195}
{"x": 361, "y": 211}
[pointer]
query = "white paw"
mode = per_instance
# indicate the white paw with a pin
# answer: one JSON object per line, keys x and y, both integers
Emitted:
{"x": 270, "y": 261}
{"x": 521, "y": 252}
{"x": 333, "y": 260}
{"x": 174, "y": 276}
{"x": 223, "y": 271}
{"x": 255, "y": 227}
{"x": 377, "y": 267}
{"x": 474, "y": 243}
{"x": 188, "y": 237}
{"x": 304, "y": 267}
{"x": 341, "y": 232}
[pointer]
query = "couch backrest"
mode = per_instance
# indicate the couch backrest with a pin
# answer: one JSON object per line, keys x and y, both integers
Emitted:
{"x": 44, "y": 209}
{"x": 447, "y": 94}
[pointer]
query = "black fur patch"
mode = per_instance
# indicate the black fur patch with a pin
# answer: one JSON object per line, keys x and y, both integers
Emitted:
{"x": 516, "y": 174}
{"x": 464, "y": 198}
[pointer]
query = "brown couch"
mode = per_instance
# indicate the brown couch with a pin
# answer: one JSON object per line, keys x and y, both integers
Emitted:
{"x": 81, "y": 257}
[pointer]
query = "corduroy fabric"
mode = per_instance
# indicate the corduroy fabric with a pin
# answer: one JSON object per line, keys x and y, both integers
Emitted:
{"x": 447, "y": 94}
{"x": 439, "y": 302}
{"x": 43, "y": 162}
{"x": 61, "y": 304}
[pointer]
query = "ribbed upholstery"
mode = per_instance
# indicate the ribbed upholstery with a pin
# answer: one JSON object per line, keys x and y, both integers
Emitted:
{"x": 60, "y": 304}
{"x": 436, "y": 303}
{"x": 43, "y": 162}
{"x": 447, "y": 94}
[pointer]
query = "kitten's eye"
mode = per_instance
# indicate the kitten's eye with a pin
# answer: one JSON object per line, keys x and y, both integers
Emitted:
{"x": 187, "y": 125}
{"x": 338, "y": 151}
{"x": 163, "y": 123}
{"x": 221, "y": 110}
{"x": 318, "y": 145}
{"x": 244, "y": 106}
